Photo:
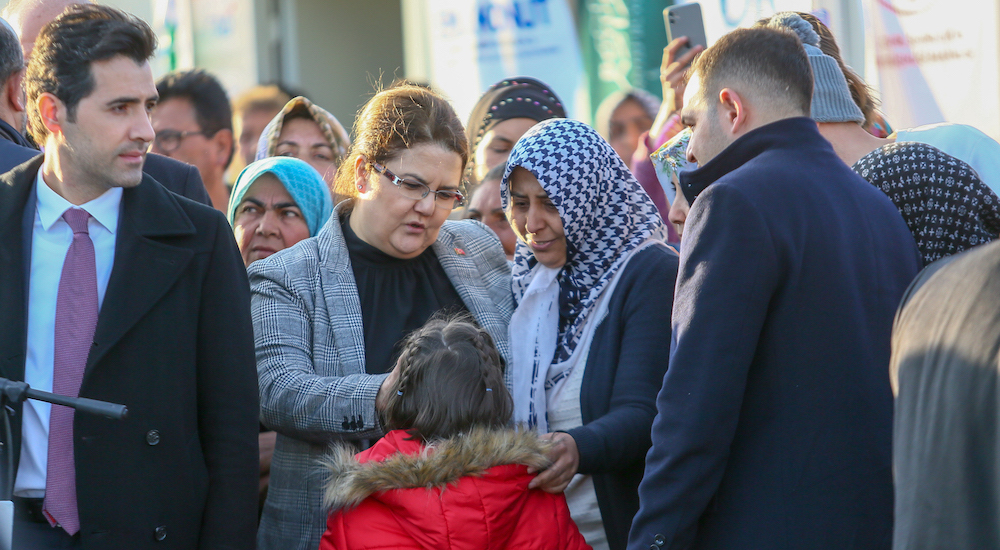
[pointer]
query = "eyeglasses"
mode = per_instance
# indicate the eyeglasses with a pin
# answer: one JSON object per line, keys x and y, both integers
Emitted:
{"x": 169, "y": 140}
{"x": 447, "y": 198}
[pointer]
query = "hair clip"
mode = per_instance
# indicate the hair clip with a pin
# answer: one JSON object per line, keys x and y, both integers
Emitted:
{"x": 399, "y": 392}
{"x": 489, "y": 389}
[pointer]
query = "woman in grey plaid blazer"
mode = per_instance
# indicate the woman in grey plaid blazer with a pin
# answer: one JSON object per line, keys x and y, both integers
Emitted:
{"x": 316, "y": 383}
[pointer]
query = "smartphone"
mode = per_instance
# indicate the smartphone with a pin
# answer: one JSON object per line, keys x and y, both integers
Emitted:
{"x": 685, "y": 20}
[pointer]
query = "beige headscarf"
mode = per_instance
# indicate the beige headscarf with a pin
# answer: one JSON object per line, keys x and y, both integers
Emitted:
{"x": 340, "y": 140}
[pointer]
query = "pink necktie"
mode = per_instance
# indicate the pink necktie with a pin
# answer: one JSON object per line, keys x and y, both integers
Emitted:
{"x": 76, "y": 319}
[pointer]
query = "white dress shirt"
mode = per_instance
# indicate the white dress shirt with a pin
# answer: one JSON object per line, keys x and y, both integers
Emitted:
{"x": 49, "y": 243}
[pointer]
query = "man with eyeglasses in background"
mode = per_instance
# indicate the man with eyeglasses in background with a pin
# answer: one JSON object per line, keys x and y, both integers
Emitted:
{"x": 193, "y": 122}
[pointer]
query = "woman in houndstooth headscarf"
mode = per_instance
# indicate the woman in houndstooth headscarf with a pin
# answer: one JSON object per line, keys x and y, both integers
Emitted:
{"x": 593, "y": 283}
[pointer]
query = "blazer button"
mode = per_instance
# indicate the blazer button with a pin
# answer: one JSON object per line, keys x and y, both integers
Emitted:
{"x": 153, "y": 437}
{"x": 161, "y": 532}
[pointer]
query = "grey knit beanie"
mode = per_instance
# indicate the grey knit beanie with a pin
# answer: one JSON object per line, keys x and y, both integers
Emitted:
{"x": 831, "y": 100}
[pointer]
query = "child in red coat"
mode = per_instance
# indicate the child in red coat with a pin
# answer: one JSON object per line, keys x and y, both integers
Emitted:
{"x": 449, "y": 474}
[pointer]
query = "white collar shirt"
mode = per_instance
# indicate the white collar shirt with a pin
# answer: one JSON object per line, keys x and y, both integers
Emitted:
{"x": 50, "y": 240}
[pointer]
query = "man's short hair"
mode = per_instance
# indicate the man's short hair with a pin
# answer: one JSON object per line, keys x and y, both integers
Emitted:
{"x": 11, "y": 56}
{"x": 267, "y": 97}
{"x": 61, "y": 61}
{"x": 771, "y": 62}
{"x": 209, "y": 99}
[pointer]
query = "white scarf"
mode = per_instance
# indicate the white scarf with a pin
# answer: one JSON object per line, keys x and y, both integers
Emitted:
{"x": 534, "y": 332}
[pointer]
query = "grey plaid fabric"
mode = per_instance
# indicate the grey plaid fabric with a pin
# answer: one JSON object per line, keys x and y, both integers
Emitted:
{"x": 311, "y": 364}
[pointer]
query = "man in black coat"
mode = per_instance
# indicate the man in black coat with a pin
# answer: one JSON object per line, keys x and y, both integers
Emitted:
{"x": 775, "y": 416}
{"x": 171, "y": 336}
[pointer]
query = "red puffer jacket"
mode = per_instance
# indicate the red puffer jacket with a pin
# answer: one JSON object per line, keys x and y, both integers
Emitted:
{"x": 467, "y": 492}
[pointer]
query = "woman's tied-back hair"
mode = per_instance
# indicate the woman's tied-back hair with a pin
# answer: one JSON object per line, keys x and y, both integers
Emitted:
{"x": 450, "y": 380}
{"x": 396, "y": 119}
{"x": 65, "y": 49}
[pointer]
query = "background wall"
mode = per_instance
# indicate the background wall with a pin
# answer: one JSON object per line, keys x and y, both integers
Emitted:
{"x": 334, "y": 51}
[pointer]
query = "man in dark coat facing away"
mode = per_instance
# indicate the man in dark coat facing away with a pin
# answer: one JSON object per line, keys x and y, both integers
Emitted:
{"x": 774, "y": 419}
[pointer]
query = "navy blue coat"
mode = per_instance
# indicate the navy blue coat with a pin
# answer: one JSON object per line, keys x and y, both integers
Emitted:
{"x": 774, "y": 420}
{"x": 625, "y": 366}
{"x": 12, "y": 154}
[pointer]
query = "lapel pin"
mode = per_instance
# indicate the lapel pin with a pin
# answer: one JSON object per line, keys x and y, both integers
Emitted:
{"x": 460, "y": 252}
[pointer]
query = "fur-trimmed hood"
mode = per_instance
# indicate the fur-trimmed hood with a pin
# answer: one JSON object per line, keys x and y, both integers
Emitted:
{"x": 463, "y": 493}
{"x": 397, "y": 463}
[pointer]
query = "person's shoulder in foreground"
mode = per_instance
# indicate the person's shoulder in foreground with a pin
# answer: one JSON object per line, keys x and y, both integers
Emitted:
{"x": 944, "y": 373}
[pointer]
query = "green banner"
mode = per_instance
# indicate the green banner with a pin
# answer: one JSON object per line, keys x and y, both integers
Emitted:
{"x": 622, "y": 43}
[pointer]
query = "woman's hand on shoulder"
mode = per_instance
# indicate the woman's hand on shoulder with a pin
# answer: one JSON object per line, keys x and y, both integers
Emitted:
{"x": 565, "y": 459}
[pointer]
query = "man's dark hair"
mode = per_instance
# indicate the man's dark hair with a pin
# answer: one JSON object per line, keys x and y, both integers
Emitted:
{"x": 61, "y": 61}
{"x": 212, "y": 110}
{"x": 11, "y": 56}
{"x": 450, "y": 380}
{"x": 770, "y": 61}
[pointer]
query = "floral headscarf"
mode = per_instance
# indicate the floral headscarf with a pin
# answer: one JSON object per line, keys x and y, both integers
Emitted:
{"x": 670, "y": 160}
{"x": 339, "y": 139}
{"x": 604, "y": 211}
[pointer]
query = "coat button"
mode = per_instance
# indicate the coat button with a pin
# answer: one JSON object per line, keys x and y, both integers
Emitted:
{"x": 659, "y": 540}
{"x": 153, "y": 437}
{"x": 161, "y": 532}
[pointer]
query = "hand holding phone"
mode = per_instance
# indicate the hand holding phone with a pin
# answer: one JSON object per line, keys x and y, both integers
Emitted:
{"x": 685, "y": 20}
{"x": 686, "y": 33}
{"x": 672, "y": 71}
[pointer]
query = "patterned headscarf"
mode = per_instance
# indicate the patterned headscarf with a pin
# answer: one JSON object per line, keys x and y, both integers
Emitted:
{"x": 670, "y": 160}
{"x": 339, "y": 139}
{"x": 518, "y": 97}
{"x": 604, "y": 211}
{"x": 302, "y": 182}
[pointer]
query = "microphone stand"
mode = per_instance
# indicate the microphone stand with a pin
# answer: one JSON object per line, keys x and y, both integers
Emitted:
{"x": 17, "y": 392}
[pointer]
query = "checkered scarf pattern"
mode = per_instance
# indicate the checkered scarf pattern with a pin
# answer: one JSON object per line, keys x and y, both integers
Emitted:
{"x": 604, "y": 210}
{"x": 944, "y": 203}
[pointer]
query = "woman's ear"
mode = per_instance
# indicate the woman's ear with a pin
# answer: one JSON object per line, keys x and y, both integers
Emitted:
{"x": 361, "y": 174}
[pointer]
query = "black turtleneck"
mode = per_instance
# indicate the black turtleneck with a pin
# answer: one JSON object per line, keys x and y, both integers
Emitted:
{"x": 397, "y": 297}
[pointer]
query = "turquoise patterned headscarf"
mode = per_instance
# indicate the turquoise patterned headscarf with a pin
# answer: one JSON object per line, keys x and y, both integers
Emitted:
{"x": 302, "y": 182}
{"x": 670, "y": 160}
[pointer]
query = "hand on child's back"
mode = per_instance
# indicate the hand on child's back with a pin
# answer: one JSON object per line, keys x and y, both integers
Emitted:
{"x": 565, "y": 459}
